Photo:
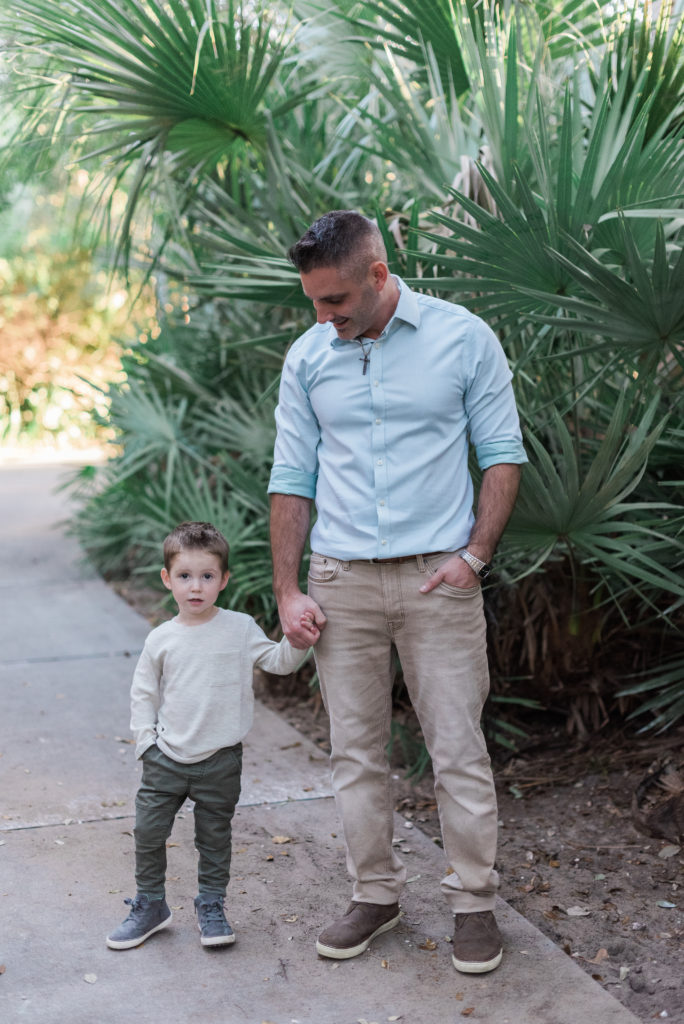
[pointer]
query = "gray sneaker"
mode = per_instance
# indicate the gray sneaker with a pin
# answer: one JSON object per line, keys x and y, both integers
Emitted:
{"x": 146, "y": 917}
{"x": 211, "y": 920}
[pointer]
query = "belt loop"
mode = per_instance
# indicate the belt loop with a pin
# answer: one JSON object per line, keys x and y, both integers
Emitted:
{"x": 421, "y": 563}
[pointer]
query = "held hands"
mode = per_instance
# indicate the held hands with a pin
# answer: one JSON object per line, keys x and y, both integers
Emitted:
{"x": 455, "y": 572}
{"x": 302, "y": 620}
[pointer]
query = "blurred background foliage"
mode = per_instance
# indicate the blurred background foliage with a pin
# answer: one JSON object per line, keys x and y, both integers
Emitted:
{"x": 523, "y": 158}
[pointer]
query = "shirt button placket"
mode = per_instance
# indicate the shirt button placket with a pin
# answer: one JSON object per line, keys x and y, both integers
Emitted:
{"x": 379, "y": 448}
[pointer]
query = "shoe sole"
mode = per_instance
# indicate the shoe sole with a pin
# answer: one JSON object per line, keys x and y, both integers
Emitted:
{"x": 131, "y": 943}
{"x": 335, "y": 953}
{"x": 477, "y": 966}
{"x": 217, "y": 940}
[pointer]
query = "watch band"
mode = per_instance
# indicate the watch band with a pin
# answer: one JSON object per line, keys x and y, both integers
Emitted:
{"x": 480, "y": 568}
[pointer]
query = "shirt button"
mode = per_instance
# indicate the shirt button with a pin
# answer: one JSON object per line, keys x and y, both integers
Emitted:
{"x": 383, "y": 541}
{"x": 379, "y": 462}
{"x": 382, "y": 503}
{"x": 378, "y": 421}
{"x": 375, "y": 383}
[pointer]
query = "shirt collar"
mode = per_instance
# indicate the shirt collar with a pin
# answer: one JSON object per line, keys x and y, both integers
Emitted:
{"x": 407, "y": 311}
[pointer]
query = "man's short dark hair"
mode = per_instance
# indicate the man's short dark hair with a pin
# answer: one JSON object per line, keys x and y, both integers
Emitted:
{"x": 196, "y": 537}
{"x": 340, "y": 238}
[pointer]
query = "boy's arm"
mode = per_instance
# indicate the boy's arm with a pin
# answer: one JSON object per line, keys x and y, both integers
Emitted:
{"x": 145, "y": 699}
{"x": 279, "y": 658}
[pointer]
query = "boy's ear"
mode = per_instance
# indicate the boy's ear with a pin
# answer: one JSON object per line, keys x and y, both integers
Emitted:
{"x": 224, "y": 580}
{"x": 166, "y": 579}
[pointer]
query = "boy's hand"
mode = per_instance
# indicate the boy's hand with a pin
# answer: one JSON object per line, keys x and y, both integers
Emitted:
{"x": 308, "y": 623}
{"x": 302, "y": 620}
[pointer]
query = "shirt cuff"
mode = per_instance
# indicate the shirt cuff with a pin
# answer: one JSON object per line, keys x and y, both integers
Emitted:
{"x": 495, "y": 452}
{"x": 286, "y": 480}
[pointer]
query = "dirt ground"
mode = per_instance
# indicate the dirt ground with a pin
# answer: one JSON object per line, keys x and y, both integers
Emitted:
{"x": 591, "y": 842}
{"x": 571, "y": 858}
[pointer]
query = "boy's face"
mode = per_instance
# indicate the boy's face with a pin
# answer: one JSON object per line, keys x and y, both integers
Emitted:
{"x": 195, "y": 580}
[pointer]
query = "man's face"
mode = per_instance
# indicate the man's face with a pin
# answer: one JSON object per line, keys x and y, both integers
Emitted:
{"x": 352, "y": 304}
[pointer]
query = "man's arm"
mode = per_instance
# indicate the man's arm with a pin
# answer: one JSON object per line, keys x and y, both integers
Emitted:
{"x": 301, "y": 618}
{"x": 498, "y": 492}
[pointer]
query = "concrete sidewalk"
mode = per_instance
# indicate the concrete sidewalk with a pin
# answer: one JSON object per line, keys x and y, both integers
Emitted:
{"x": 67, "y": 781}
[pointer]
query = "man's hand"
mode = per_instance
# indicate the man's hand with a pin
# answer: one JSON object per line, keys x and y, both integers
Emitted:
{"x": 302, "y": 620}
{"x": 455, "y": 572}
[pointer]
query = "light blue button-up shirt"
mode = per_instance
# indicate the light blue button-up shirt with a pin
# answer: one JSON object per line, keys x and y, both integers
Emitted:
{"x": 385, "y": 453}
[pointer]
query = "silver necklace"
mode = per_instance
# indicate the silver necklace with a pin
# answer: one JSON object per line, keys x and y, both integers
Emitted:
{"x": 365, "y": 358}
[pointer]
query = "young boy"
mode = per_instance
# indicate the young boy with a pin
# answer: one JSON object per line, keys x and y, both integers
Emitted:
{"x": 191, "y": 706}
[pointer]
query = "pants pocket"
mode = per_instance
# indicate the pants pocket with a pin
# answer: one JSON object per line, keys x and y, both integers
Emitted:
{"x": 323, "y": 568}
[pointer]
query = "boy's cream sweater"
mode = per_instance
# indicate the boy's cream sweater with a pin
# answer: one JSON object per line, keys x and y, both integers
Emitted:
{"x": 192, "y": 688}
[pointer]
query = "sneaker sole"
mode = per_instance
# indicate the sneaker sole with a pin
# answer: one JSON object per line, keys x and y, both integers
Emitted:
{"x": 130, "y": 943}
{"x": 477, "y": 966}
{"x": 335, "y": 953}
{"x": 217, "y": 940}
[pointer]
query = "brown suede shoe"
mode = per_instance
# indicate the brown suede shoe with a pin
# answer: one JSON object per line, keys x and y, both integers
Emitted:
{"x": 353, "y": 933}
{"x": 477, "y": 943}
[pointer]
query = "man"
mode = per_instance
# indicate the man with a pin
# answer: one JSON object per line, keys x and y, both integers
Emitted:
{"x": 378, "y": 403}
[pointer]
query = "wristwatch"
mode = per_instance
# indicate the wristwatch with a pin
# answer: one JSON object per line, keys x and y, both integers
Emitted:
{"x": 480, "y": 568}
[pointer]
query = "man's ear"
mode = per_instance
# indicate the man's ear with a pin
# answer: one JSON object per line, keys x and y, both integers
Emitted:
{"x": 379, "y": 272}
{"x": 166, "y": 579}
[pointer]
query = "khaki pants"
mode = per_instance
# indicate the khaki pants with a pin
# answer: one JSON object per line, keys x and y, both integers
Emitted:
{"x": 440, "y": 639}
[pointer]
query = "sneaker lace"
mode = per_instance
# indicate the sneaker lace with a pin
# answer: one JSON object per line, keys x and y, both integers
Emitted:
{"x": 137, "y": 905}
{"x": 212, "y": 911}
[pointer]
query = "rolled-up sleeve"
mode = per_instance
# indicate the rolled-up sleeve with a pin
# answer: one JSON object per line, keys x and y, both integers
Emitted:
{"x": 493, "y": 422}
{"x": 295, "y": 458}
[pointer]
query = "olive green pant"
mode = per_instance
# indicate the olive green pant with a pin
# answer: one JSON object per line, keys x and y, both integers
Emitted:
{"x": 214, "y": 785}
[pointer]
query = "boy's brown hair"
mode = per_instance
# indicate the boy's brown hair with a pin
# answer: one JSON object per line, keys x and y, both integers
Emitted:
{"x": 198, "y": 537}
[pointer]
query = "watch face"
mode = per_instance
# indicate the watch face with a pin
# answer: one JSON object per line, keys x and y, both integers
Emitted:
{"x": 484, "y": 572}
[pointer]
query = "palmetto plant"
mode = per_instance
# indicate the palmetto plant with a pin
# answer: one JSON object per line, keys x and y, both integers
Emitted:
{"x": 524, "y": 158}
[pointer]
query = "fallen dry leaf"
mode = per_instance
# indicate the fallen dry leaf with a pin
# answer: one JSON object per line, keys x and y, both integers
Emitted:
{"x": 270, "y": 857}
{"x": 669, "y": 851}
{"x": 578, "y": 912}
{"x": 428, "y": 944}
{"x": 281, "y": 839}
{"x": 291, "y": 918}
{"x": 385, "y": 964}
{"x": 2, "y": 968}
{"x": 600, "y": 956}
{"x": 90, "y": 978}
{"x": 468, "y": 1010}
